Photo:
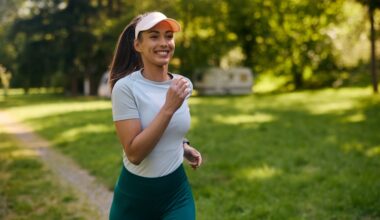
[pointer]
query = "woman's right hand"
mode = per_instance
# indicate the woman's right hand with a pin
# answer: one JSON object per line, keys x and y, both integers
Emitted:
{"x": 176, "y": 94}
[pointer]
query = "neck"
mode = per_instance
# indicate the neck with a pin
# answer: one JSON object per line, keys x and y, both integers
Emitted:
{"x": 156, "y": 73}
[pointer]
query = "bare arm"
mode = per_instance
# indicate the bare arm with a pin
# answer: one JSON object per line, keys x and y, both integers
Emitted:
{"x": 138, "y": 143}
{"x": 192, "y": 155}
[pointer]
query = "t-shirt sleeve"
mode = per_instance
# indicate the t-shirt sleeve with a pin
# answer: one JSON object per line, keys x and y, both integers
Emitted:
{"x": 123, "y": 103}
{"x": 190, "y": 87}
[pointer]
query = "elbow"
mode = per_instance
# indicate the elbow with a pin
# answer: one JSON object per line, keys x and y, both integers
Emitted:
{"x": 134, "y": 159}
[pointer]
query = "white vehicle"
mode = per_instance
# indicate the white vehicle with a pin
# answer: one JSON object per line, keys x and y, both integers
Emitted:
{"x": 217, "y": 81}
{"x": 103, "y": 88}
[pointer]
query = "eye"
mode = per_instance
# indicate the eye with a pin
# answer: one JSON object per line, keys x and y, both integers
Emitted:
{"x": 153, "y": 36}
{"x": 170, "y": 36}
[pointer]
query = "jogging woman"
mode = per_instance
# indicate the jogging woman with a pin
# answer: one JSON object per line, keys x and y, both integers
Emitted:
{"x": 152, "y": 117}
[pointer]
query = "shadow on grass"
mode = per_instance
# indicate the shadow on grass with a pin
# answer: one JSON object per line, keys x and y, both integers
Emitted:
{"x": 265, "y": 157}
{"x": 88, "y": 137}
{"x": 293, "y": 164}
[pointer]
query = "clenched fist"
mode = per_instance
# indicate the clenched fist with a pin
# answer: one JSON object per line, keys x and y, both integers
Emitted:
{"x": 176, "y": 94}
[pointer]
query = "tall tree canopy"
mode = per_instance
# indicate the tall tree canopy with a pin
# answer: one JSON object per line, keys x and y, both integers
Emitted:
{"x": 68, "y": 42}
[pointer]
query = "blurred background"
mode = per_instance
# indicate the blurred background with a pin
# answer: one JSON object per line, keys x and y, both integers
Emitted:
{"x": 287, "y": 44}
{"x": 300, "y": 141}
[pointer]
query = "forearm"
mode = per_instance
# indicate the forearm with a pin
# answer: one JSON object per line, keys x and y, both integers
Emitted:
{"x": 147, "y": 139}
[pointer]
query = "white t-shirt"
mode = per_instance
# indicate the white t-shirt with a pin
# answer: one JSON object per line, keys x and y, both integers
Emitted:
{"x": 135, "y": 97}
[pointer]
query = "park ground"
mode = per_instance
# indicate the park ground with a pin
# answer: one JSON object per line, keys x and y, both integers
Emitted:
{"x": 300, "y": 155}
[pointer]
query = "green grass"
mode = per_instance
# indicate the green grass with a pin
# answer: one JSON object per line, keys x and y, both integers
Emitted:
{"x": 301, "y": 155}
{"x": 29, "y": 191}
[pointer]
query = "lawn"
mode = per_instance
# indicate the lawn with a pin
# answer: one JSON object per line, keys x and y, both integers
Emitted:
{"x": 301, "y": 155}
{"x": 28, "y": 190}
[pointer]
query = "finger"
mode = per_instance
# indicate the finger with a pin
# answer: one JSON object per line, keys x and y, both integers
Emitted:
{"x": 193, "y": 165}
{"x": 184, "y": 80}
{"x": 185, "y": 93}
{"x": 174, "y": 85}
{"x": 199, "y": 160}
{"x": 192, "y": 159}
{"x": 183, "y": 85}
{"x": 182, "y": 88}
{"x": 175, "y": 81}
{"x": 178, "y": 80}
{"x": 195, "y": 162}
{"x": 181, "y": 81}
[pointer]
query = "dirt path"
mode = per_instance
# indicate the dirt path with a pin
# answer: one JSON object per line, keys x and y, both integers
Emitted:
{"x": 88, "y": 190}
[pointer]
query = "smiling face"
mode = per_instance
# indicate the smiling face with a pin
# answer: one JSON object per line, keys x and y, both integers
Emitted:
{"x": 156, "y": 45}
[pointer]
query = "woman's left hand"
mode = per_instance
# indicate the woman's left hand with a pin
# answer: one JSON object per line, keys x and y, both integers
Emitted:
{"x": 193, "y": 157}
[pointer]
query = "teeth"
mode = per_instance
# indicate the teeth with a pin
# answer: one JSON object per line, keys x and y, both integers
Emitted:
{"x": 162, "y": 52}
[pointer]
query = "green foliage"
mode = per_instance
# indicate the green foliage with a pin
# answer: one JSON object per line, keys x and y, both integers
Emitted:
{"x": 301, "y": 155}
{"x": 373, "y": 4}
{"x": 64, "y": 42}
{"x": 48, "y": 29}
{"x": 286, "y": 37}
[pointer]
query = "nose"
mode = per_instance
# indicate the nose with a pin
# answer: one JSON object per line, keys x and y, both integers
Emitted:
{"x": 163, "y": 42}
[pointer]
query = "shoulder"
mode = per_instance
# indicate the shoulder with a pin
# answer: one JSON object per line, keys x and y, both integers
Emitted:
{"x": 126, "y": 83}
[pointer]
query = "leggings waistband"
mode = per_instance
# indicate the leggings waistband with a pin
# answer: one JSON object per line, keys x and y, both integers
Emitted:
{"x": 139, "y": 186}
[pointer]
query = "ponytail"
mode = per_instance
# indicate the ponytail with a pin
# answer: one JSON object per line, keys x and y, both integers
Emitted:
{"x": 125, "y": 59}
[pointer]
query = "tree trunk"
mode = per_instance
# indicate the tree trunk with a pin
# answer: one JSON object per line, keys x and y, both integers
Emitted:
{"x": 248, "y": 46}
{"x": 373, "y": 50}
{"x": 110, "y": 7}
{"x": 297, "y": 77}
{"x": 26, "y": 86}
{"x": 74, "y": 85}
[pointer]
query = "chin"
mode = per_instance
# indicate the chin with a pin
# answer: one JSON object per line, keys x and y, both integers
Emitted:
{"x": 163, "y": 63}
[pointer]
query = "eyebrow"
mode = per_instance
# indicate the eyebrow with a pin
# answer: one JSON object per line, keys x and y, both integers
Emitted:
{"x": 157, "y": 32}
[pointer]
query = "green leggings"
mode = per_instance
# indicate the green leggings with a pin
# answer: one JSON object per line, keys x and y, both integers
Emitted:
{"x": 162, "y": 198}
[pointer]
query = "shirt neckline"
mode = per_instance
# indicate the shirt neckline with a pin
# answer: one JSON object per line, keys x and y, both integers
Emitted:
{"x": 166, "y": 82}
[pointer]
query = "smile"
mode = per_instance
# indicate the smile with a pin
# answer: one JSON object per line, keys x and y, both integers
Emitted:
{"x": 162, "y": 52}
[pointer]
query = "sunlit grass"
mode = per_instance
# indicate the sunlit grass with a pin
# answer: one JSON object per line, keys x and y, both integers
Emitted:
{"x": 22, "y": 153}
{"x": 356, "y": 117}
{"x": 51, "y": 109}
{"x": 238, "y": 119}
{"x": 29, "y": 191}
{"x": 75, "y": 133}
{"x": 263, "y": 172}
{"x": 300, "y": 155}
{"x": 373, "y": 151}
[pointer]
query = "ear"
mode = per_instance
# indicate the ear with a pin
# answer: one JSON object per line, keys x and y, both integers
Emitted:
{"x": 136, "y": 45}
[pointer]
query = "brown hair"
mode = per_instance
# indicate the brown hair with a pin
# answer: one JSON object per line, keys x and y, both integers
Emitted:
{"x": 125, "y": 59}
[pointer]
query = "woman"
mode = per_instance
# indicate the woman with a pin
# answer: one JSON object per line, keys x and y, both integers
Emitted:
{"x": 151, "y": 116}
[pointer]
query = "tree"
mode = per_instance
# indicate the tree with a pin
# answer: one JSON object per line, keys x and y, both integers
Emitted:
{"x": 67, "y": 42}
{"x": 286, "y": 37}
{"x": 79, "y": 41}
{"x": 372, "y": 6}
{"x": 59, "y": 41}
{"x": 206, "y": 37}
{"x": 5, "y": 78}
{"x": 8, "y": 12}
